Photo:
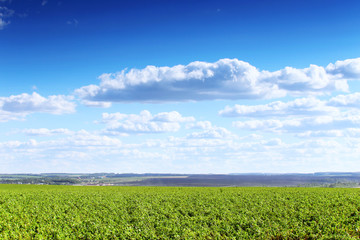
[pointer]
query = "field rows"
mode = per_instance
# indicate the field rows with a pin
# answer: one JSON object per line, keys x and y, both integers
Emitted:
{"x": 69, "y": 212}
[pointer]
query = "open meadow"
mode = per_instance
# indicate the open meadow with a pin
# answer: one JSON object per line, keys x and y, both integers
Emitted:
{"x": 78, "y": 212}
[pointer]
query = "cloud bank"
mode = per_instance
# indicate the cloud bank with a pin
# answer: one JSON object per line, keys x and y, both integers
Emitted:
{"x": 90, "y": 152}
{"x": 225, "y": 79}
{"x": 323, "y": 123}
{"x": 46, "y": 132}
{"x": 298, "y": 107}
{"x": 302, "y": 106}
{"x": 144, "y": 122}
{"x": 18, "y": 106}
{"x": 209, "y": 131}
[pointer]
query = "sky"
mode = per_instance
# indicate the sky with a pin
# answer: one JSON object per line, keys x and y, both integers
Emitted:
{"x": 180, "y": 86}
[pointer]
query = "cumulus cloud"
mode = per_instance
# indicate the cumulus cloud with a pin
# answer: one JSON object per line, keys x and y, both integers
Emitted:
{"x": 18, "y": 106}
{"x": 144, "y": 122}
{"x": 209, "y": 131}
{"x": 57, "y": 104}
{"x": 347, "y": 69}
{"x": 298, "y": 107}
{"x": 87, "y": 139}
{"x": 302, "y": 106}
{"x": 305, "y": 117}
{"x": 349, "y": 100}
{"x": 225, "y": 79}
{"x": 314, "y": 79}
{"x": 200, "y": 125}
{"x": 215, "y": 132}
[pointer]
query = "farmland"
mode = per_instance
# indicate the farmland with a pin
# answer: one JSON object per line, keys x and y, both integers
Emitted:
{"x": 79, "y": 212}
{"x": 325, "y": 179}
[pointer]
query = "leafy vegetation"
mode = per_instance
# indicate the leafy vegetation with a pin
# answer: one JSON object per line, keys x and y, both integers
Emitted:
{"x": 77, "y": 212}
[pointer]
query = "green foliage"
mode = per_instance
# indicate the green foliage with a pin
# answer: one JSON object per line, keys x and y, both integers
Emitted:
{"x": 76, "y": 212}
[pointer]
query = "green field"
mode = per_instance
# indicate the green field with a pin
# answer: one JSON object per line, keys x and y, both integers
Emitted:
{"x": 77, "y": 212}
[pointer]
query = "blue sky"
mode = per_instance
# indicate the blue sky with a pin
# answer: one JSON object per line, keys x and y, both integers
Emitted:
{"x": 179, "y": 86}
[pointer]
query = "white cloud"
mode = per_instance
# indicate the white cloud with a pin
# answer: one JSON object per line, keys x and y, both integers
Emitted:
{"x": 309, "y": 116}
{"x": 2, "y": 23}
{"x": 328, "y": 131}
{"x": 89, "y": 152}
{"x": 210, "y": 131}
{"x": 46, "y": 132}
{"x": 8, "y": 116}
{"x": 218, "y": 132}
{"x": 313, "y": 79}
{"x": 87, "y": 139}
{"x": 144, "y": 122}
{"x": 348, "y": 132}
{"x": 4, "y": 14}
{"x": 96, "y": 104}
{"x": 319, "y": 123}
{"x": 272, "y": 125}
{"x": 347, "y": 69}
{"x": 57, "y": 104}
{"x": 213, "y": 132}
{"x": 224, "y": 79}
{"x": 349, "y": 100}
{"x": 73, "y": 140}
{"x": 199, "y": 125}
{"x": 171, "y": 117}
{"x": 302, "y": 106}
{"x": 273, "y": 142}
{"x": 18, "y": 106}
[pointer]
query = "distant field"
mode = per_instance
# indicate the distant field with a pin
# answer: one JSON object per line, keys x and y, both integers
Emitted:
{"x": 79, "y": 212}
{"x": 331, "y": 179}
